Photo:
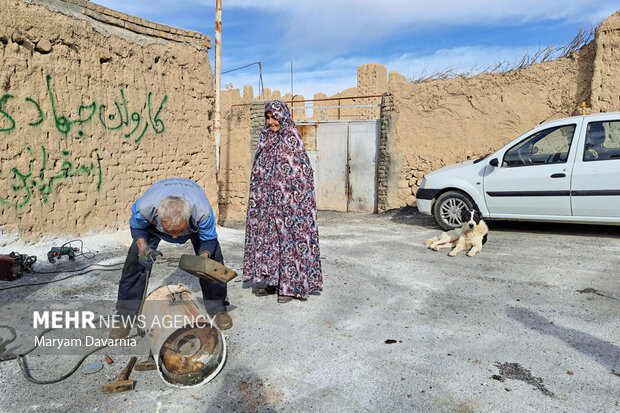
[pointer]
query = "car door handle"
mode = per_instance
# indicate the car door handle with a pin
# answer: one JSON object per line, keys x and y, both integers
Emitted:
{"x": 560, "y": 175}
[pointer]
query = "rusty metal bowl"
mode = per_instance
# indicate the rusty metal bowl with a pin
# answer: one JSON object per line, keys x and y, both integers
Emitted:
{"x": 189, "y": 351}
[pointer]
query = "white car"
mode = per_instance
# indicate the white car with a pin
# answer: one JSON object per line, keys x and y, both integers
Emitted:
{"x": 566, "y": 170}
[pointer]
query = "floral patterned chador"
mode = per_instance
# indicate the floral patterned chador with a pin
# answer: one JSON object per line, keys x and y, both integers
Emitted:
{"x": 281, "y": 236}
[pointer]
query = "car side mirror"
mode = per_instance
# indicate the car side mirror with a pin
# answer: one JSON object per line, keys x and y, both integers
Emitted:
{"x": 494, "y": 162}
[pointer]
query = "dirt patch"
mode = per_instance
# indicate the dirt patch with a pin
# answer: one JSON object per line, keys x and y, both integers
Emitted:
{"x": 514, "y": 371}
{"x": 258, "y": 396}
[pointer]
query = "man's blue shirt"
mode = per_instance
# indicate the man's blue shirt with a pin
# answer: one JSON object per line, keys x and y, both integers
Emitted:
{"x": 144, "y": 218}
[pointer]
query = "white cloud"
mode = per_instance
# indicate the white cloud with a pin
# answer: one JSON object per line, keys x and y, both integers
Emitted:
{"x": 313, "y": 30}
{"x": 352, "y": 12}
{"x": 331, "y": 26}
{"x": 328, "y": 24}
{"x": 328, "y": 39}
{"x": 372, "y": 17}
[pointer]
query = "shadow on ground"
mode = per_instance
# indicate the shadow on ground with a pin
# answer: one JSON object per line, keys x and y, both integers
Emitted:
{"x": 603, "y": 352}
{"x": 411, "y": 216}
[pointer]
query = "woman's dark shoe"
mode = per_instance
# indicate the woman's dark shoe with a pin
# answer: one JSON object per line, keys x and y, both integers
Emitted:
{"x": 284, "y": 298}
{"x": 269, "y": 290}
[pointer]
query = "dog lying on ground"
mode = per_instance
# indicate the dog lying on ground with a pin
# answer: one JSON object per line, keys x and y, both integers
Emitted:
{"x": 471, "y": 236}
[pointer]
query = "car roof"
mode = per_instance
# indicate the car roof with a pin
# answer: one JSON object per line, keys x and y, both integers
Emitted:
{"x": 592, "y": 116}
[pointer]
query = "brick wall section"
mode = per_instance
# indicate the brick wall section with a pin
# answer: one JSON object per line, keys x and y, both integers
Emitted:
{"x": 241, "y": 126}
{"x": 387, "y": 108}
{"x": 258, "y": 121}
{"x": 91, "y": 115}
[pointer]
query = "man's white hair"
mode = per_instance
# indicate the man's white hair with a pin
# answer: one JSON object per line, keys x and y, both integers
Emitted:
{"x": 174, "y": 211}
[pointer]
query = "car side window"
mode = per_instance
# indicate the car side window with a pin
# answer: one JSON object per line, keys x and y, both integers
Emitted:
{"x": 548, "y": 146}
{"x": 602, "y": 141}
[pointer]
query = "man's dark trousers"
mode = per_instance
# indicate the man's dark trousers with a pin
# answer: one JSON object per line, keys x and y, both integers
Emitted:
{"x": 133, "y": 279}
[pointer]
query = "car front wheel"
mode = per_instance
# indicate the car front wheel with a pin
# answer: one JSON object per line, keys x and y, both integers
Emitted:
{"x": 447, "y": 211}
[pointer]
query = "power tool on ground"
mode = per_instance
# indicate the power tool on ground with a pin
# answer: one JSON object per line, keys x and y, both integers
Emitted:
{"x": 57, "y": 252}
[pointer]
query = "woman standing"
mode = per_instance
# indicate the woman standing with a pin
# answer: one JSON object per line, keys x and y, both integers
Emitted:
{"x": 281, "y": 236}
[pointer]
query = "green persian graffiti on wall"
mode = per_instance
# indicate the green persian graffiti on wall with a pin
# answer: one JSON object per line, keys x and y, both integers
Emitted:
{"x": 135, "y": 125}
{"x": 23, "y": 184}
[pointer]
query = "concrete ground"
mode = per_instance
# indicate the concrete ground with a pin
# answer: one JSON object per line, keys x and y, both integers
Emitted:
{"x": 530, "y": 324}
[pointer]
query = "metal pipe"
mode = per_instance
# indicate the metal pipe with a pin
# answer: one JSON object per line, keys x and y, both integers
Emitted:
{"x": 338, "y": 98}
{"x": 334, "y": 107}
{"x": 313, "y": 100}
{"x": 217, "y": 127}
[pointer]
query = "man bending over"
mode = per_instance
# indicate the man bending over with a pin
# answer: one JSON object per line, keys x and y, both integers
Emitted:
{"x": 174, "y": 210}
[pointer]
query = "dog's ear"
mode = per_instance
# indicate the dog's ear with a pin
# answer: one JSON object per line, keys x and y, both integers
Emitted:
{"x": 465, "y": 215}
{"x": 477, "y": 216}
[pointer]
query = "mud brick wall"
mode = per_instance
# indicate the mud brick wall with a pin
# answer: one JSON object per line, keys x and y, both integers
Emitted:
{"x": 236, "y": 157}
{"x": 443, "y": 122}
{"x": 95, "y": 106}
{"x": 605, "y": 85}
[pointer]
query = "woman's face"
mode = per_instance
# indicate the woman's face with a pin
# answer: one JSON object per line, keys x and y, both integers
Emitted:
{"x": 272, "y": 122}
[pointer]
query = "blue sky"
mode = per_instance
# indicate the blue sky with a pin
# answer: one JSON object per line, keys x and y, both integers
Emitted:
{"x": 327, "y": 40}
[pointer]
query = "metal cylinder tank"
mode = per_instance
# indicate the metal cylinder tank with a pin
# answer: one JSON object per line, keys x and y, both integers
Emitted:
{"x": 189, "y": 351}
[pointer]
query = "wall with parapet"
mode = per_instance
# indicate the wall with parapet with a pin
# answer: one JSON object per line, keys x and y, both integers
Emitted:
{"x": 95, "y": 106}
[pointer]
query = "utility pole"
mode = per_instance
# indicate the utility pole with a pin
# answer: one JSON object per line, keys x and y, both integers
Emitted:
{"x": 217, "y": 127}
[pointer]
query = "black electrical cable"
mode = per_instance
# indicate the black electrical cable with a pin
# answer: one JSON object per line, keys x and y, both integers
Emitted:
{"x": 25, "y": 261}
{"x": 24, "y": 366}
{"x": 60, "y": 279}
{"x": 81, "y": 248}
{"x": 241, "y": 67}
{"x": 6, "y": 357}
{"x": 21, "y": 357}
{"x": 260, "y": 74}
{"x": 61, "y": 271}
{"x": 107, "y": 267}
{"x": 6, "y": 343}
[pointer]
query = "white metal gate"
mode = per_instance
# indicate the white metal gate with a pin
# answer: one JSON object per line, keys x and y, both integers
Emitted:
{"x": 346, "y": 165}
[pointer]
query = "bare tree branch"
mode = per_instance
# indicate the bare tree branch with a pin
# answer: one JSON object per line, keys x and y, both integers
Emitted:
{"x": 543, "y": 54}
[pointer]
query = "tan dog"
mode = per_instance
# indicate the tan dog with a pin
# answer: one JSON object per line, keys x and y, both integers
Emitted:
{"x": 471, "y": 236}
